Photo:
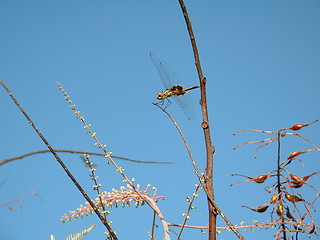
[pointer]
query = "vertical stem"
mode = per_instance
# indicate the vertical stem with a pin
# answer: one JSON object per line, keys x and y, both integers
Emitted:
{"x": 206, "y": 130}
{"x": 279, "y": 186}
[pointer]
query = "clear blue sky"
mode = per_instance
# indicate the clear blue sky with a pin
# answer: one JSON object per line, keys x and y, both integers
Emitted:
{"x": 261, "y": 59}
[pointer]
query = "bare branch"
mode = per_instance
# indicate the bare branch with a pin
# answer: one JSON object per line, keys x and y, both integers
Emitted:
{"x": 76, "y": 152}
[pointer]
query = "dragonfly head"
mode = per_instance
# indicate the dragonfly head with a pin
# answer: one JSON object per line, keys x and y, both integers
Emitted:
{"x": 160, "y": 96}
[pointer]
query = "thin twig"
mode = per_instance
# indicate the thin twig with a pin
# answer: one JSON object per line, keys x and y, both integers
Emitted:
{"x": 77, "y": 152}
{"x": 201, "y": 178}
{"x": 94, "y": 207}
{"x": 153, "y": 225}
{"x": 97, "y": 185}
{"x": 199, "y": 175}
{"x": 186, "y": 218}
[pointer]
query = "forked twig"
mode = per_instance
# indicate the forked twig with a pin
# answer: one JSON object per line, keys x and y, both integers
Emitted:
{"x": 201, "y": 178}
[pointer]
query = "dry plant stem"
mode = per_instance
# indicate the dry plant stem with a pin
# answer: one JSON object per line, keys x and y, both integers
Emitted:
{"x": 298, "y": 135}
{"x": 153, "y": 225}
{"x": 200, "y": 176}
{"x": 189, "y": 209}
{"x": 279, "y": 183}
{"x": 150, "y": 202}
{"x": 213, "y": 210}
{"x": 77, "y": 152}
{"x": 93, "y": 177}
{"x": 312, "y": 204}
{"x": 163, "y": 221}
{"x": 216, "y": 208}
{"x": 103, "y": 220}
{"x": 184, "y": 141}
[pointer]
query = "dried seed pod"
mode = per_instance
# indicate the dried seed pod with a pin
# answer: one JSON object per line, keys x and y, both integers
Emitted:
{"x": 296, "y": 185}
{"x": 297, "y": 127}
{"x": 298, "y": 182}
{"x": 280, "y": 210}
{"x": 293, "y": 198}
{"x": 260, "y": 209}
{"x": 295, "y": 178}
{"x": 294, "y": 154}
{"x": 261, "y": 178}
{"x": 274, "y": 198}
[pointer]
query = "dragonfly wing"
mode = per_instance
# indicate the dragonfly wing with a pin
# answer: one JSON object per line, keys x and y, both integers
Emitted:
{"x": 170, "y": 74}
{"x": 186, "y": 103}
{"x": 169, "y": 78}
{"x": 164, "y": 78}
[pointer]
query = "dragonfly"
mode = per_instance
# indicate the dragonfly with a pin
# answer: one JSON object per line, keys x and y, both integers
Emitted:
{"x": 174, "y": 87}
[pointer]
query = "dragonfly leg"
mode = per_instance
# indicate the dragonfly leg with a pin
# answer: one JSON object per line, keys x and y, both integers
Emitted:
{"x": 167, "y": 104}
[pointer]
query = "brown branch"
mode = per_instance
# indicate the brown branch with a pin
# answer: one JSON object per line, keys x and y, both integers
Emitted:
{"x": 258, "y": 225}
{"x": 77, "y": 152}
{"x": 205, "y": 125}
{"x": 94, "y": 207}
{"x": 213, "y": 208}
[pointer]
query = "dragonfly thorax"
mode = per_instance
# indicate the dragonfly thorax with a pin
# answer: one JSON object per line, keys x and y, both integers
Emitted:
{"x": 173, "y": 91}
